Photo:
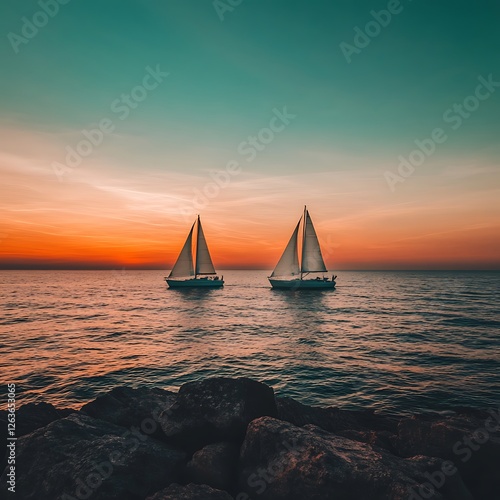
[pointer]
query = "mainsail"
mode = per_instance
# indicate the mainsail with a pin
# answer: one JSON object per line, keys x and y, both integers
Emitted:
{"x": 184, "y": 263}
{"x": 312, "y": 260}
{"x": 204, "y": 263}
{"x": 288, "y": 265}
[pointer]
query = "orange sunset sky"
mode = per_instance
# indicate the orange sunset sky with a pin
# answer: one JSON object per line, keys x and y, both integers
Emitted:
{"x": 272, "y": 107}
{"x": 102, "y": 216}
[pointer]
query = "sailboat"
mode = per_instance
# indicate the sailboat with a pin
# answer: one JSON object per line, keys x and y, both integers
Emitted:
{"x": 200, "y": 275}
{"x": 291, "y": 274}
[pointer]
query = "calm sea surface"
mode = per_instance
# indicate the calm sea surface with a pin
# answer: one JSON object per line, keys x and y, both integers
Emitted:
{"x": 395, "y": 341}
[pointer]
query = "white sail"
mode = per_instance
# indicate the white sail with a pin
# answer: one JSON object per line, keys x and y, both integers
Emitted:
{"x": 312, "y": 260}
{"x": 184, "y": 263}
{"x": 204, "y": 263}
{"x": 288, "y": 264}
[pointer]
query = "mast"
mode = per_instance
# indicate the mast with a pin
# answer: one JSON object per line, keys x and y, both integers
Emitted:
{"x": 197, "y": 247}
{"x": 303, "y": 240}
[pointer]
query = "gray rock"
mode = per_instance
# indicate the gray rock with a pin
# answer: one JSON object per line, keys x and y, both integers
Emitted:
{"x": 361, "y": 425}
{"x": 282, "y": 461}
{"x": 28, "y": 418}
{"x": 138, "y": 408}
{"x": 216, "y": 409}
{"x": 82, "y": 457}
{"x": 190, "y": 492}
{"x": 335, "y": 419}
{"x": 32, "y": 416}
{"x": 468, "y": 439}
{"x": 216, "y": 465}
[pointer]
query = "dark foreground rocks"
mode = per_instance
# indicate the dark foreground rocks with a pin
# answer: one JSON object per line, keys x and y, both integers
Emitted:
{"x": 139, "y": 408}
{"x": 216, "y": 409}
{"x": 279, "y": 460}
{"x": 190, "y": 492}
{"x": 215, "y": 465}
{"x": 82, "y": 457}
{"x": 226, "y": 439}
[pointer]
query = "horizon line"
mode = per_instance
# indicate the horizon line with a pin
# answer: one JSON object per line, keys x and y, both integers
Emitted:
{"x": 242, "y": 269}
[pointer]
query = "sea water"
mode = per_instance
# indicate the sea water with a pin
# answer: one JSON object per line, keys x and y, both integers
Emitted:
{"x": 392, "y": 341}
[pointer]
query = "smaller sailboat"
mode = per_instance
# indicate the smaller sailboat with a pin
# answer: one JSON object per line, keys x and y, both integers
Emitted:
{"x": 289, "y": 273}
{"x": 200, "y": 275}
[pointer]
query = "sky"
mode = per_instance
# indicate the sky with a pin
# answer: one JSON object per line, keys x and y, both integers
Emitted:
{"x": 120, "y": 121}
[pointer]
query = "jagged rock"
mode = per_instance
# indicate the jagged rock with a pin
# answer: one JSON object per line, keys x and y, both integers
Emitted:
{"x": 312, "y": 453}
{"x": 32, "y": 416}
{"x": 470, "y": 439}
{"x": 190, "y": 492}
{"x": 365, "y": 426}
{"x": 216, "y": 465}
{"x": 334, "y": 419}
{"x": 28, "y": 418}
{"x": 282, "y": 461}
{"x": 79, "y": 456}
{"x": 132, "y": 408}
{"x": 216, "y": 409}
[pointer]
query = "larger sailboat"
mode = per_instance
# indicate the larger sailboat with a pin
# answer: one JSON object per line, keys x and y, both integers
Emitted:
{"x": 291, "y": 274}
{"x": 200, "y": 275}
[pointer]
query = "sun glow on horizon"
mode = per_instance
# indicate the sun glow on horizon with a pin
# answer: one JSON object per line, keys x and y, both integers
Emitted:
{"x": 100, "y": 218}
{"x": 278, "y": 117}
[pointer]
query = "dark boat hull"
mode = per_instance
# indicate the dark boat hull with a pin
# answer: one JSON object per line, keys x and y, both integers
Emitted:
{"x": 194, "y": 283}
{"x": 298, "y": 284}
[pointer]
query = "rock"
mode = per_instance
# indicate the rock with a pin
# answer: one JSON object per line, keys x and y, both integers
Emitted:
{"x": 216, "y": 409}
{"x": 79, "y": 456}
{"x": 127, "y": 445}
{"x": 32, "y": 416}
{"x": 334, "y": 419}
{"x": 29, "y": 417}
{"x": 364, "y": 425}
{"x": 132, "y": 408}
{"x": 190, "y": 492}
{"x": 281, "y": 461}
{"x": 468, "y": 439}
{"x": 216, "y": 465}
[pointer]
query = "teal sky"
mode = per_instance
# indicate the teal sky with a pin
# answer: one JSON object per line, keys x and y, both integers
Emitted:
{"x": 225, "y": 77}
{"x": 353, "y": 120}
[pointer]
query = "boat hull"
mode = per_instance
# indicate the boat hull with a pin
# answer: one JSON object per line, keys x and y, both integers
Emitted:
{"x": 297, "y": 284}
{"x": 194, "y": 283}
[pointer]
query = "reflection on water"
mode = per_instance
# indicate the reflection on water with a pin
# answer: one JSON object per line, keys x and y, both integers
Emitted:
{"x": 392, "y": 340}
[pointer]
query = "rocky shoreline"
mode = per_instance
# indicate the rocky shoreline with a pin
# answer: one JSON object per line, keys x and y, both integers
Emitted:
{"x": 222, "y": 438}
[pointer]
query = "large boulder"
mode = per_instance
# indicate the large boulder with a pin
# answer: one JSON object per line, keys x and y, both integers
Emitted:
{"x": 28, "y": 418}
{"x": 190, "y": 492}
{"x": 132, "y": 408}
{"x": 361, "y": 425}
{"x": 468, "y": 438}
{"x": 334, "y": 419}
{"x": 216, "y": 409}
{"x": 32, "y": 416}
{"x": 216, "y": 465}
{"x": 282, "y": 461}
{"x": 79, "y": 456}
